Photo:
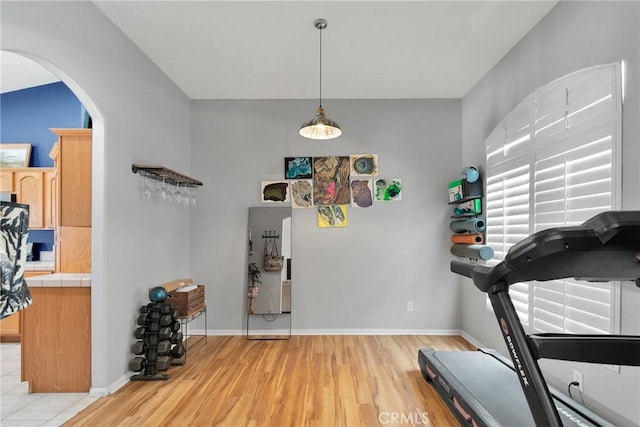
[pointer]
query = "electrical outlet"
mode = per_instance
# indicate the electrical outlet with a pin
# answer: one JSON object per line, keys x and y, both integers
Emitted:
{"x": 409, "y": 305}
{"x": 577, "y": 377}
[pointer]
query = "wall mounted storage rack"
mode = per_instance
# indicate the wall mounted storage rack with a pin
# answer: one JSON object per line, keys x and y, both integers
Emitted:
{"x": 161, "y": 173}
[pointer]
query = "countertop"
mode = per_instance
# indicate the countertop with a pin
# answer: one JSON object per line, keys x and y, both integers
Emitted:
{"x": 60, "y": 280}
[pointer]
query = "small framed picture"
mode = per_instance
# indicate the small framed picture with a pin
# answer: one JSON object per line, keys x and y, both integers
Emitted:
{"x": 15, "y": 155}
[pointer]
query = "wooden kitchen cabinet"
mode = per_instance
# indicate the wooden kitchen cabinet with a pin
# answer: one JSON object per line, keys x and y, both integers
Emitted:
{"x": 29, "y": 186}
{"x": 10, "y": 328}
{"x": 50, "y": 199}
{"x": 72, "y": 158}
{"x": 56, "y": 341}
{"x": 71, "y": 200}
{"x": 29, "y": 189}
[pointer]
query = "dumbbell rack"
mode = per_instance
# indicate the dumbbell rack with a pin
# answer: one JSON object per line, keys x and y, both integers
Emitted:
{"x": 159, "y": 342}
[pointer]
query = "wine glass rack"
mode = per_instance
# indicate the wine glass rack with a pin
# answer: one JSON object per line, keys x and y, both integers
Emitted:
{"x": 161, "y": 173}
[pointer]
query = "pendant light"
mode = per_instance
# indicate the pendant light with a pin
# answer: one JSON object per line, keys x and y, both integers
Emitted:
{"x": 320, "y": 127}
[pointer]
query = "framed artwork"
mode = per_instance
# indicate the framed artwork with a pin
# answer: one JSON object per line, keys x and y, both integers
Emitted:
{"x": 388, "y": 190}
{"x": 332, "y": 216}
{"x": 301, "y": 193}
{"x": 331, "y": 180}
{"x": 298, "y": 168}
{"x": 363, "y": 164}
{"x": 15, "y": 155}
{"x": 361, "y": 193}
{"x": 274, "y": 191}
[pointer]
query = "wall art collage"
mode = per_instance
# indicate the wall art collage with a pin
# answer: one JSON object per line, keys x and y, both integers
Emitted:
{"x": 331, "y": 183}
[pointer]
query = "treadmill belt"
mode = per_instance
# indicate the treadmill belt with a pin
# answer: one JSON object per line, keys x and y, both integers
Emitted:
{"x": 482, "y": 389}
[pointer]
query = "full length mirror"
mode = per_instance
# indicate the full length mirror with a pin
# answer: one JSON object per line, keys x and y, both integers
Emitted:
{"x": 269, "y": 260}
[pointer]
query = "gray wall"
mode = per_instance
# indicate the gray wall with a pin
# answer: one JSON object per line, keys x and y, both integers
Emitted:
{"x": 139, "y": 116}
{"x": 353, "y": 279}
{"x": 574, "y": 35}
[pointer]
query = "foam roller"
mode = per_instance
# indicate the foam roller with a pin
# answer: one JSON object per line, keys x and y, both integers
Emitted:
{"x": 472, "y": 251}
{"x": 474, "y": 225}
{"x": 467, "y": 239}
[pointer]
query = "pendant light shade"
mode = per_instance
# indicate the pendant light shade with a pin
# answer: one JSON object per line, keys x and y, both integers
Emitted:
{"x": 320, "y": 127}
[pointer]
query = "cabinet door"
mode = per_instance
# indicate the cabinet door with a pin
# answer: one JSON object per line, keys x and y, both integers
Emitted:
{"x": 73, "y": 249}
{"x": 50, "y": 199}
{"x": 10, "y": 328}
{"x": 6, "y": 181}
{"x": 29, "y": 191}
{"x": 73, "y": 162}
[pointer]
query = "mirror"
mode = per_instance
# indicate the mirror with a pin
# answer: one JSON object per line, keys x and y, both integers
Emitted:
{"x": 269, "y": 279}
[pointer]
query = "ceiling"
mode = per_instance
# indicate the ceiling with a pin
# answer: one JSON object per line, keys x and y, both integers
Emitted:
{"x": 371, "y": 49}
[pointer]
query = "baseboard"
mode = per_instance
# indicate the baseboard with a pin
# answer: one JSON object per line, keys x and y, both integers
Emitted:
{"x": 233, "y": 332}
{"x": 110, "y": 389}
{"x": 472, "y": 340}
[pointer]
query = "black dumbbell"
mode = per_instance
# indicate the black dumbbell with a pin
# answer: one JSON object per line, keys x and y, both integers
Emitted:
{"x": 139, "y": 348}
{"x": 164, "y": 347}
{"x": 175, "y": 326}
{"x": 164, "y": 333}
{"x": 144, "y": 309}
{"x": 165, "y": 320}
{"x": 140, "y": 332}
{"x": 163, "y": 363}
{"x": 142, "y": 319}
{"x": 176, "y": 337}
{"x": 166, "y": 309}
{"x": 137, "y": 364}
{"x": 177, "y": 351}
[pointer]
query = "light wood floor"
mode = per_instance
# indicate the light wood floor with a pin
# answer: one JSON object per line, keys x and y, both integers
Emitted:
{"x": 305, "y": 381}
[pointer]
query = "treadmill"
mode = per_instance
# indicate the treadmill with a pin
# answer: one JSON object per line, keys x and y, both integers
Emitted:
{"x": 482, "y": 388}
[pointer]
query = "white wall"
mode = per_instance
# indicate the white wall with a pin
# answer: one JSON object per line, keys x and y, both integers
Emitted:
{"x": 574, "y": 35}
{"x": 354, "y": 279}
{"x": 139, "y": 117}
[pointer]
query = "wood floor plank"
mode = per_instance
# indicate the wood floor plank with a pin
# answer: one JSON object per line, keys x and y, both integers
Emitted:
{"x": 363, "y": 380}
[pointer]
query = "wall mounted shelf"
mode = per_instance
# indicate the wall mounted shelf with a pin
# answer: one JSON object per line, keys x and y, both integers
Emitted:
{"x": 161, "y": 173}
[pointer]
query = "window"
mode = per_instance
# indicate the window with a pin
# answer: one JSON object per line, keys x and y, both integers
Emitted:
{"x": 554, "y": 161}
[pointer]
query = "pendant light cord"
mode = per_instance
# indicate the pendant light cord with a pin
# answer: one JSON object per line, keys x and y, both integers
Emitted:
{"x": 320, "y": 67}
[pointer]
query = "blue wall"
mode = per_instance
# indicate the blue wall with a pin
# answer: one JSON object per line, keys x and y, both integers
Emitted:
{"x": 26, "y": 116}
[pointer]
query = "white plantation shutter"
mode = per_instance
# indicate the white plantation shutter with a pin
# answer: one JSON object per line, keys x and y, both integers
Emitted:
{"x": 554, "y": 161}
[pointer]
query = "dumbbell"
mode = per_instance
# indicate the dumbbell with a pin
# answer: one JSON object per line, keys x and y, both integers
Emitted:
{"x": 137, "y": 364}
{"x": 164, "y": 333}
{"x": 142, "y": 319}
{"x": 139, "y": 347}
{"x": 140, "y": 332}
{"x": 144, "y": 309}
{"x": 164, "y": 347}
{"x": 177, "y": 351}
{"x": 163, "y": 363}
{"x": 175, "y": 326}
{"x": 153, "y": 315}
{"x": 166, "y": 320}
{"x": 166, "y": 309}
{"x": 176, "y": 337}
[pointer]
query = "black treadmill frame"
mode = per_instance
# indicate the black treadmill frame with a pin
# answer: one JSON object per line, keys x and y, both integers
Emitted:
{"x": 561, "y": 253}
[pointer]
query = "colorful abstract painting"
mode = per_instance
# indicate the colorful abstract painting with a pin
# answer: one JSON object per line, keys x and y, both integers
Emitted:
{"x": 274, "y": 191}
{"x": 331, "y": 180}
{"x": 332, "y": 216}
{"x": 387, "y": 190}
{"x": 363, "y": 164}
{"x": 298, "y": 168}
{"x": 301, "y": 193}
{"x": 361, "y": 193}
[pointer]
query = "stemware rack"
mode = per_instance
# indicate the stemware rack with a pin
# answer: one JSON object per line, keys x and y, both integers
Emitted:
{"x": 161, "y": 173}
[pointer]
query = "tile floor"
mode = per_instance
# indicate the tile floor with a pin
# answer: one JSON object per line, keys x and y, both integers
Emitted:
{"x": 21, "y": 409}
